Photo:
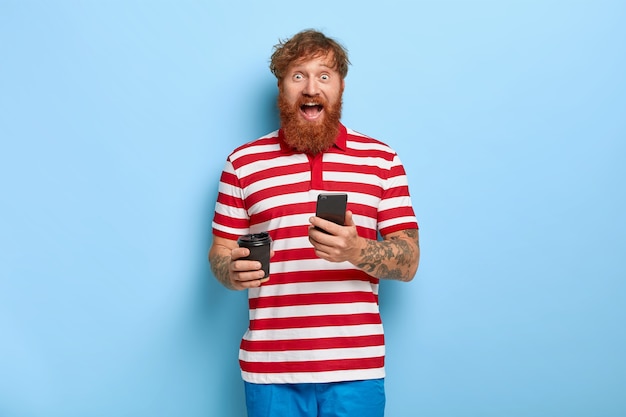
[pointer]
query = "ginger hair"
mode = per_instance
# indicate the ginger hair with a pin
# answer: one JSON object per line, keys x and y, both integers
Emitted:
{"x": 305, "y": 45}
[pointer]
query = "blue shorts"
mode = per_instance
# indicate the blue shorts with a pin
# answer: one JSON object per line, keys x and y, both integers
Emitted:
{"x": 334, "y": 399}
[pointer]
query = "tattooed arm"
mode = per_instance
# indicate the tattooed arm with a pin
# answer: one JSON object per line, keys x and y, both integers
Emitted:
{"x": 396, "y": 257}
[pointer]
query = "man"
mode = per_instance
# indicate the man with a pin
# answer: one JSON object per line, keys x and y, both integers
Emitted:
{"x": 315, "y": 345}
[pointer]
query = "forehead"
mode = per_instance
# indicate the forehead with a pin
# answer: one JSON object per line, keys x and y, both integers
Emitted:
{"x": 320, "y": 60}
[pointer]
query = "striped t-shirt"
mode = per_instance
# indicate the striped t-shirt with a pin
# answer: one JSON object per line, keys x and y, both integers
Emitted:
{"x": 314, "y": 320}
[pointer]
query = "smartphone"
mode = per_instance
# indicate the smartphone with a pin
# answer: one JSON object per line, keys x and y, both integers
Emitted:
{"x": 332, "y": 207}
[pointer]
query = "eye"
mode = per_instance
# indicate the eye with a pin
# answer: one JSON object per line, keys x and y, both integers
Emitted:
{"x": 325, "y": 77}
{"x": 298, "y": 77}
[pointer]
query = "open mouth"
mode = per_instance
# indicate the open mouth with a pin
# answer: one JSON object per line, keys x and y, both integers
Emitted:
{"x": 311, "y": 111}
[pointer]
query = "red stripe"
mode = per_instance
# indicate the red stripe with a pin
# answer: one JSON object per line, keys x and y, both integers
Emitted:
{"x": 372, "y": 153}
{"x": 293, "y": 231}
{"x": 229, "y": 200}
{"x": 235, "y": 223}
{"x": 352, "y": 168}
{"x": 310, "y": 344}
{"x": 229, "y": 179}
{"x": 269, "y": 170}
{"x": 254, "y": 155}
{"x": 285, "y": 210}
{"x": 398, "y": 227}
{"x": 294, "y": 255}
{"x": 313, "y": 366}
{"x": 395, "y": 213}
{"x": 341, "y": 186}
{"x": 270, "y": 140}
{"x": 318, "y": 276}
{"x": 397, "y": 171}
{"x": 311, "y": 299}
{"x": 398, "y": 191}
{"x": 314, "y": 321}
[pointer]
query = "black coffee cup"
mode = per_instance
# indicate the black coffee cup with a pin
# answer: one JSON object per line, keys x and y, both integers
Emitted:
{"x": 259, "y": 245}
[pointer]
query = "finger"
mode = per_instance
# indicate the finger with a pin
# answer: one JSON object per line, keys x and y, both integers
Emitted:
{"x": 349, "y": 220}
{"x": 322, "y": 255}
{"x": 249, "y": 276}
{"x": 323, "y": 227}
{"x": 243, "y": 265}
{"x": 239, "y": 253}
{"x": 253, "y": 283}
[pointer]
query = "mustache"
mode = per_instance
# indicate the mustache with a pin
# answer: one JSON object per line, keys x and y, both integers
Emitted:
{"x": 319, "y": 101}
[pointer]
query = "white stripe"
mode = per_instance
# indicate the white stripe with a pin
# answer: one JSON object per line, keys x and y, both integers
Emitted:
{"x": 373, "y": 161}
{"x": 369, "y": 145}
{"x": 292, "y": 242}
{"x": 228, "y": 167}
{"x": 314, "y": 332}
{"x": 284, "y": 222}
{"x": 310, "y": 265}
{"x": 260, "y": 164}
{"x": 397, "y": 220}
{"x": 273, "y": 134}
{"x": 251, "y": 150}
{"x": 230, "y": 190}
{"x": 355, "y": 133}
{"x": 359, "y": 198}
{"x": 392, "y": 203}
{"x": 276, "y": 181}
{"x": 360, "y": 178}
{"x": 312, "y": 288}
{"x": 230, "y": 211}
{"x": 289, "y": 221}
{"x": 365, "y": 222}
{"x": 277, "y": 162}
{"x": 279, "y": 200}
{"x": 398, "y": 181}
{"x": 313, "y": 377}
{"x": 230, "y": 230}
{"x": 313, "y": 355}
{"x": 314, "y": 310}
{"x": 299, "y": 198}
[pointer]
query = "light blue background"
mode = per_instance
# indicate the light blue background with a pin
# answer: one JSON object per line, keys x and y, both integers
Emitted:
{"x": 116, "y": 118}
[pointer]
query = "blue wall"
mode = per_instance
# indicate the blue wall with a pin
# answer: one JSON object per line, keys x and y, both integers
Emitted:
{"x": 116, "y": 118}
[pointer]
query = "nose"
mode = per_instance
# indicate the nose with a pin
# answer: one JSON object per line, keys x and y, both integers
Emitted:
{"x": 311, "y": 88}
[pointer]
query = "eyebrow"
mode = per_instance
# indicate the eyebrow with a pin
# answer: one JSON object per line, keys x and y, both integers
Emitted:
{"x": 296, "y": 67}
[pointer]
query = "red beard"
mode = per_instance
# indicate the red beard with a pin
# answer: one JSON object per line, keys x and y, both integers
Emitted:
{"x": 308, "y": 137}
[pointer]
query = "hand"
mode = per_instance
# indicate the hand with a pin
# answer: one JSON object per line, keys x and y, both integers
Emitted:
{"x": 339, "y": 244}
{"x": 244, "y": 273}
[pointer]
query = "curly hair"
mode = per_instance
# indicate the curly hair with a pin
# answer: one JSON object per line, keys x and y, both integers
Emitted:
{"x": 308, "y": 44}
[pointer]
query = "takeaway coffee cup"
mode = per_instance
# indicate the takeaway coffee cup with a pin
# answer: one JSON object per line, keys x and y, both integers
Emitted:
{"x": 259, "y": 245}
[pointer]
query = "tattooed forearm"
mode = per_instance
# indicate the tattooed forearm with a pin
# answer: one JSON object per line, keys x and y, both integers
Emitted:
{"x": 220, "y": 268}
{"x": 396, "y": 258}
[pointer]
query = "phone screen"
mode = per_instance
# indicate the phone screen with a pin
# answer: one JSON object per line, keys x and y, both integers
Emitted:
{"x": 332, "y": 207}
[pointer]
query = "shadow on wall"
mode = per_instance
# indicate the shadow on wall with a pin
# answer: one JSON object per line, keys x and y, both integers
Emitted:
{"x": 219, "y": 317}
